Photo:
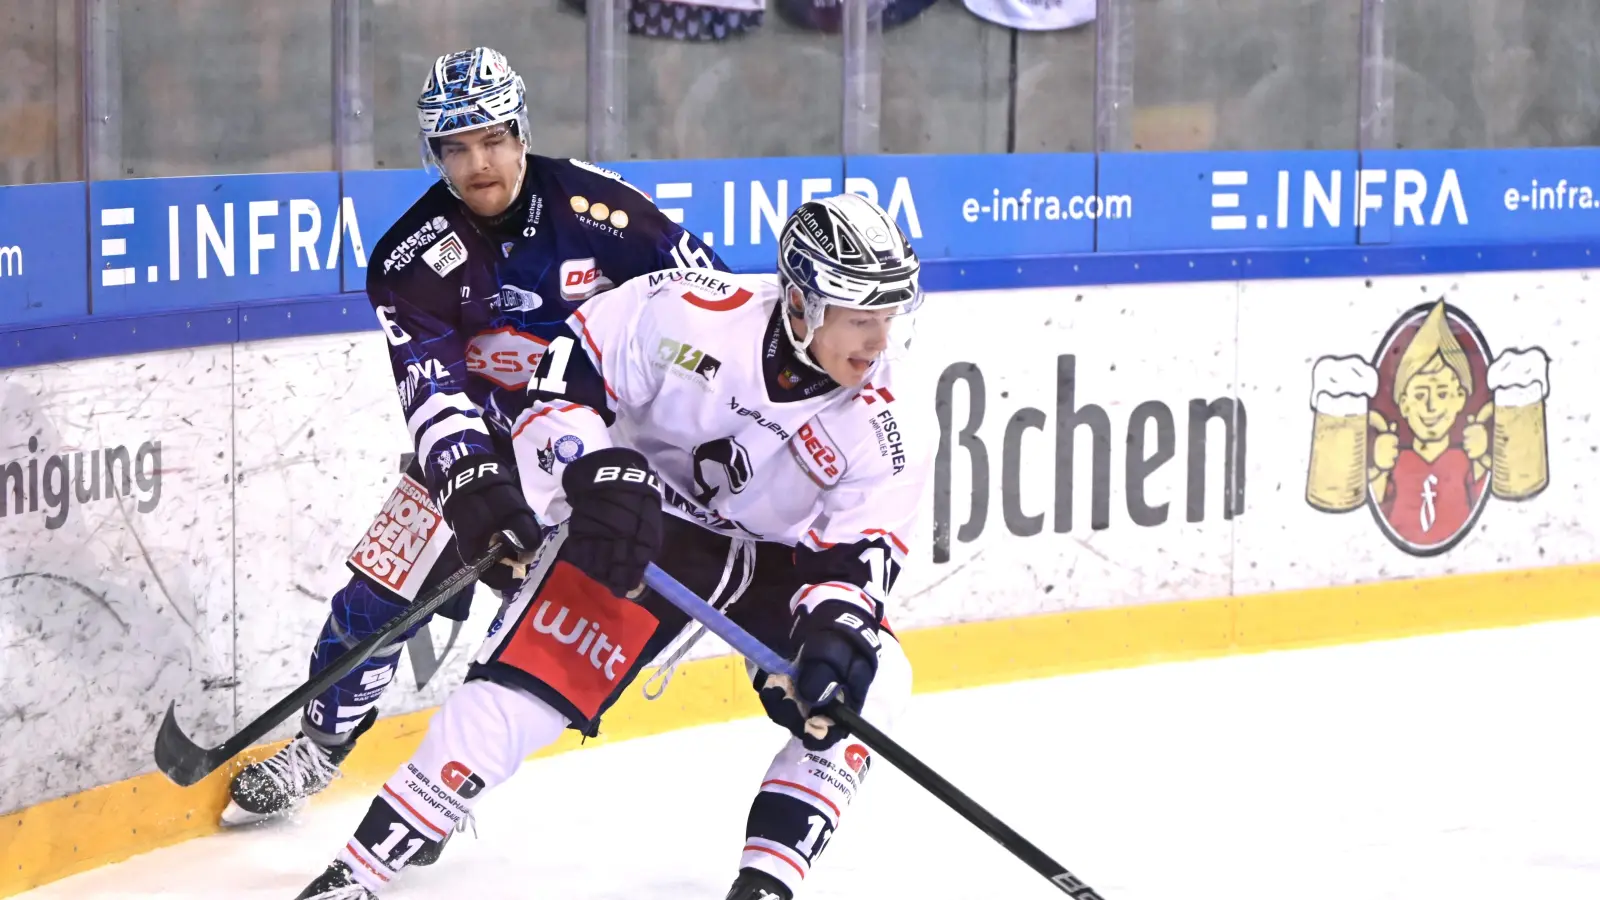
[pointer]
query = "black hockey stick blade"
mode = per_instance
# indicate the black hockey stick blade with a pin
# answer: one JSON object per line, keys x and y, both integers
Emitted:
{"x": 185, "y": 762}
{"x": 180, "y": 758}
{"x": 935, "y": 784}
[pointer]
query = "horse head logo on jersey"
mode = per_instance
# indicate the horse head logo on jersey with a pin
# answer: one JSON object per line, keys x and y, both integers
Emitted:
{"x": 720, "y": 463}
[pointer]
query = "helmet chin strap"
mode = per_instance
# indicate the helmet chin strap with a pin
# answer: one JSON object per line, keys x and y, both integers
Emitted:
{"x": 522, "y": 172}
{"x": 516, "y": 191}
{"x": 802, "y": 346}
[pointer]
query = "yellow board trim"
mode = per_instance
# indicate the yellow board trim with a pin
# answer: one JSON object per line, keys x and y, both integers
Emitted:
{"x": 52, "y": 840}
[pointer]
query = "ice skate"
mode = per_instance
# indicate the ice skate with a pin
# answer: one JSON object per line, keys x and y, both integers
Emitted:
{"x": 282, "y": 783}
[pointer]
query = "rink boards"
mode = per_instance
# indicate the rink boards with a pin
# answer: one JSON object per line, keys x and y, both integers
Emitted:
{"x": 1124, "y": 475}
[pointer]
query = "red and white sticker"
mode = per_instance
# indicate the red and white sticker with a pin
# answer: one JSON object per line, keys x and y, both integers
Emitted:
{"x": 403, "y": 542}
{"x": 505, "y": 356}
{"x": 573, "y": 635}
{"x": 816, "y": 452}
{"x": 582, "y": 279}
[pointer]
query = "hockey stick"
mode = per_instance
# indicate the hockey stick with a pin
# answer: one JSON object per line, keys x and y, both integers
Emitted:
{"x": 186, "y": 762}
{"x": 915, "y": 769}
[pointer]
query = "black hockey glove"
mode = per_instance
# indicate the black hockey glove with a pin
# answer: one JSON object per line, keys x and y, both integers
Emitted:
{"x": 480, "y": 498}
{"x": 615, "y": 529}
{"x": 837, "y": 661}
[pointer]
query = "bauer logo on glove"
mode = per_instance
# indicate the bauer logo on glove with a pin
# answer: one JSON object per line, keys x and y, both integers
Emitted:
{"x": 463, "y": 476}
{"x": 837, "y": 662}
{"x": 615, "y": 529}
{"x": 628, "y": 475}
{"x": 480, "y": 499}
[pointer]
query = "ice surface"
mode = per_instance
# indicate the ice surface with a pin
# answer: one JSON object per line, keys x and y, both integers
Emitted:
{"x": 1456, "y": 767}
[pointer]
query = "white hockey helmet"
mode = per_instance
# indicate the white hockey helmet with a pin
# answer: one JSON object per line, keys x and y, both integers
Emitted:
{"x": 846, "y": 251}
{"x": 465, "y": 90}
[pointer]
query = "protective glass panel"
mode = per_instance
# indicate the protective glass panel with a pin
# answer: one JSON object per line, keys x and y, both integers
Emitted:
{"x": 196, "y": 87}
{"x": 41, "y": 94}
{"x": 735, "y": 79}
{"x": 1493, "y": 73}
{"x": 544, "y": 40}
{"x": 1243, "y": 75}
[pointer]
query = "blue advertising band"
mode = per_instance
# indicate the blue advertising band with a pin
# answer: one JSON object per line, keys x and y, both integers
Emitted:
{"x": 86, "y": 337}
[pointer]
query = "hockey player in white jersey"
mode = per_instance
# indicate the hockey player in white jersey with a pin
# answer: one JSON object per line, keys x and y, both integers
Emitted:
{"x": 760, "y": 438}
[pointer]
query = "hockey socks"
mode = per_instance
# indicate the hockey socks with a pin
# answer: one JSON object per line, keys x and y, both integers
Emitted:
{"x": 476, "y": 741}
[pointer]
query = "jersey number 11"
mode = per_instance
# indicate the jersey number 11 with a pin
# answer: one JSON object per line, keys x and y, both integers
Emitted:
{"x": 554, "y": 381}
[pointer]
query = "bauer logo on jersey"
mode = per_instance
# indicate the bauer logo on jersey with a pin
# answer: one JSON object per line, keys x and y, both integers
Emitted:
{"x": 817, "y": 453}
{"x": 446, "y": 255}
{"x": 403, "y": 542}
{"x": 582, "y": 279}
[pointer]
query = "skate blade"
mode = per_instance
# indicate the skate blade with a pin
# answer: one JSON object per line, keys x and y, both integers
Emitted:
{"x": 235, "y": 816}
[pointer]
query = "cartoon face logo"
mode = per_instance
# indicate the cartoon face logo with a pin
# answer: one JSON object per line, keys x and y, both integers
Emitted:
{"x": 1428, "y": 429}
{"x": 547, "y": 458}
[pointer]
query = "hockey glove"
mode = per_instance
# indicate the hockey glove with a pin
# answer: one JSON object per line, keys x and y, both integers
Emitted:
{"x": 481, "y": 497}
{"x": 837, "y": 661}
{"x": 615, "y": 529}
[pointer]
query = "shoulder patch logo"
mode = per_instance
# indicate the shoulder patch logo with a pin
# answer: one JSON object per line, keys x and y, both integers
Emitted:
{"x": 598, "y": 170}
{"x": 582, "y": 279}
{"x": 818, "y": 454}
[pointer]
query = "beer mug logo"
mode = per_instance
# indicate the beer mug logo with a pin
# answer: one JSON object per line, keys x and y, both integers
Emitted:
{"x": 1427, "y": 430}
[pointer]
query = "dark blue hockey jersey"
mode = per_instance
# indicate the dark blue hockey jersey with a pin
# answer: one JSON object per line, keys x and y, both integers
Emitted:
{"x": 468, "y": 305}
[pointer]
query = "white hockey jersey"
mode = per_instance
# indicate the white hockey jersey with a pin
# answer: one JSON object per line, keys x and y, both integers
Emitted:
{"x": 693, "y": 369}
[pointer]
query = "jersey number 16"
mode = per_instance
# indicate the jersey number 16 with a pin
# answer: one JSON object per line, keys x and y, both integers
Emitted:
{"x": 689, "y": 256}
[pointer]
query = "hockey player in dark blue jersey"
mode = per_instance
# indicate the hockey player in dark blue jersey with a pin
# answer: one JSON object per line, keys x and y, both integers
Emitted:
{"x": 468, "y": 286}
